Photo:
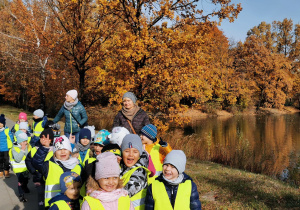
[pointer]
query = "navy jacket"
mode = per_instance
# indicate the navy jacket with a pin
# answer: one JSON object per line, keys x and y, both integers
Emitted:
{"x": 37, "y": 177}
{"x": 195, "y": 203}
{"x": 74, "y": 203}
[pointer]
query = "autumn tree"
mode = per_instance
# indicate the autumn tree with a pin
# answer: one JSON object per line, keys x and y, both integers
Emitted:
{"x": 268, "y": 73}
{"x": 284, "y": 36}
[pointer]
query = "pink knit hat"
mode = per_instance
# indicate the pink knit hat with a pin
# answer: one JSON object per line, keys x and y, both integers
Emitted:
{"x": 107, "y": 166}
{"x": 23, "y": 116}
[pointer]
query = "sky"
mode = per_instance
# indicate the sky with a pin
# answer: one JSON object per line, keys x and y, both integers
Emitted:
{"x": 256, "y": 11}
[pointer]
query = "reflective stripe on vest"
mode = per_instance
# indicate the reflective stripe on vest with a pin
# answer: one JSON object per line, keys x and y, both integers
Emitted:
{"x": 52, "y": 186}
{"x": 61, "y": 204}
{"x": 38, "y": 129}
{"x": 95, "y": 204}
{"x": 21, "y": 166}
{"x": 154, "y": 153}
{"x": 138, "y": 199}
{"x": 162, "y": 200}
{"x": 87, "y": 156}
{"x": 9, "y": 142}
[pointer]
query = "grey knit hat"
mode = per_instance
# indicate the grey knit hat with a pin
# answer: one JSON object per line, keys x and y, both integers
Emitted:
{"x": 130, "y": 95}
{"x": 176, "y": 158}
{"x": 132, "y": 141}
{"x": 39, "y": 113}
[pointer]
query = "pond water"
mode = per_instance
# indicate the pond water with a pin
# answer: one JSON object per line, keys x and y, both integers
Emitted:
{"x": 266, "y": 144}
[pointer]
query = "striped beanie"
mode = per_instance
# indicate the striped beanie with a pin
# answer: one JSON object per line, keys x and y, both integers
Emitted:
{"x": 150, "y": 132}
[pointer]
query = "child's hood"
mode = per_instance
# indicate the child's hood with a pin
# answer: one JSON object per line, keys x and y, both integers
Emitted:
{"x": 59, "y": 197}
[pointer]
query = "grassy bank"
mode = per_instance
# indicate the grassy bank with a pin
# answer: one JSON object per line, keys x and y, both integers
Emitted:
{"x": 222, "y": 187}
{"x": 219, "y": 186}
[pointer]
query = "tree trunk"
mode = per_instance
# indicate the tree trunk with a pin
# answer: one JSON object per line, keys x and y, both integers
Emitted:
{"x": 81, "y": 85}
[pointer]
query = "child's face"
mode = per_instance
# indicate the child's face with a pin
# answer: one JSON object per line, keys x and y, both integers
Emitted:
{"x": 130, "y": 156}
{"x": 84, "y": 142}
{"x": 24, "y": 143}
{"x": 170, "y": 172}
{"x": 1, "y": 125}
{"x": 73, "y": 191}
{"x": 22, "y": 120}
{"x": 69, "y": 98}
{"x": 62, "y": 154}
{"x": 35, "y": 117}
{"x": 97, "y": 149}
{"x": 24, "y": 130}
{"x": 109, "y": 184}
{"x": 145, "y": 139}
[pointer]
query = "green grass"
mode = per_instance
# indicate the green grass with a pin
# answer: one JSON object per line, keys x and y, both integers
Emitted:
{"x": 222, "y": 187}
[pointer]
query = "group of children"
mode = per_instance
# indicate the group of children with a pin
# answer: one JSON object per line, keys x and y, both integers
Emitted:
{"x": 111, "y": 170}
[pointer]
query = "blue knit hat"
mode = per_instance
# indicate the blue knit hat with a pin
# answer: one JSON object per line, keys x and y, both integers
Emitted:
{"x": 21, "y": 136}
{"x": 130, "y": 95}
{"x": 85, "y": 134}
{"x": 150, "y": 132}
{"x": 2, "y": 119}
{"x": 67, "y": 179}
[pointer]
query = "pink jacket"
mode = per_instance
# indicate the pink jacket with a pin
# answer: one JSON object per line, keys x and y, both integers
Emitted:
{"x": 109, "y": 200}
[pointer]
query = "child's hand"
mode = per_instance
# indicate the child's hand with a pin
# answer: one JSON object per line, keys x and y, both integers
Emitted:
{"x": 72, "y": 139}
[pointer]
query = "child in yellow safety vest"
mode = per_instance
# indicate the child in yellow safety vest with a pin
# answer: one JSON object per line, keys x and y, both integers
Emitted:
{"x": 17, "y": 156}
{"x": 60, "y": 162}
{"x": 38, "y": 125}
{"x": 68, "y": 198}
{"x": 173, "y": 189}
{"x": 156, "y": 150}
{"x": 105, "y": 191}
{"x": 6, "y": 142}
{"x": 46, "y": 138}
{"x": 16, "y": 127}
{"x": 82, "y": 148}
{"x": 134, "y": 171}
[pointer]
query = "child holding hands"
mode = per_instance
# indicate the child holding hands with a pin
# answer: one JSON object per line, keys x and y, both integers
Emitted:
{"x": 106, "y": 190}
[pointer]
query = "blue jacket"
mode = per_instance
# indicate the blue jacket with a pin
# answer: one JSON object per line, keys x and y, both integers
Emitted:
{"x": 78, "y": 112}
{"x": 195, "y": 203}
{"x": 3, "y": 140}
{"x": 74, "y": 203}
{"x": 37, "y": 177}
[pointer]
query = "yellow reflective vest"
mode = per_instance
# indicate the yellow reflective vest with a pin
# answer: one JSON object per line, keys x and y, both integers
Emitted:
{"x": 138, "y": 199}
{"x": 82, "y": 162}
{"x": 95, "y": 204}
{"x": 162, "y": 200}
{"x": 34, "y": 150}
{"x": 52, "y": 186}
{"x": 156, "y": 159}
{"x": 61, "y": 205}
{"x": 21, "y": 166}
{"x": 38, "y": 128}
{"x": 9, "y": 142}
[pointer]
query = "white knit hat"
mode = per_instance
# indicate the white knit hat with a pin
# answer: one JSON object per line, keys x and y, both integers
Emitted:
{"x": 117, "y": 135}
{"x": 72, "y": 93}
{"x": 39, "y": 113}
{"x": 23, "y": 125}
{"x": 62, "y": 142}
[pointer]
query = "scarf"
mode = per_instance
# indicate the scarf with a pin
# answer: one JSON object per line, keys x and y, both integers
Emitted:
{"x": 69, "y": 164}
{"x": 104, "y": 196}
{"x": 130, "y": 113}
{"x": 2, "y": 129}
{"x": 79, "y": 147}
{"x": 69, "y": 105}
{"x": 176, "y": 181}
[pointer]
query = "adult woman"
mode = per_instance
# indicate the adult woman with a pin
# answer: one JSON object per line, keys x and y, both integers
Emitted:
{"x": 75, "y": 115}
{"x": 132, "y": 117}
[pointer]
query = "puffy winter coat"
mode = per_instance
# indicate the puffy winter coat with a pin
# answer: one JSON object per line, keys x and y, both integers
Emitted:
{"x": 138, "y": 122}
{"x": 195, "y": 203}
{"x": 78, "y": 112}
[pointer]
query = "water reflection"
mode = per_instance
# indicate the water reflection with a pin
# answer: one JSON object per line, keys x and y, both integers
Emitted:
{"x": 263, "y": 144}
